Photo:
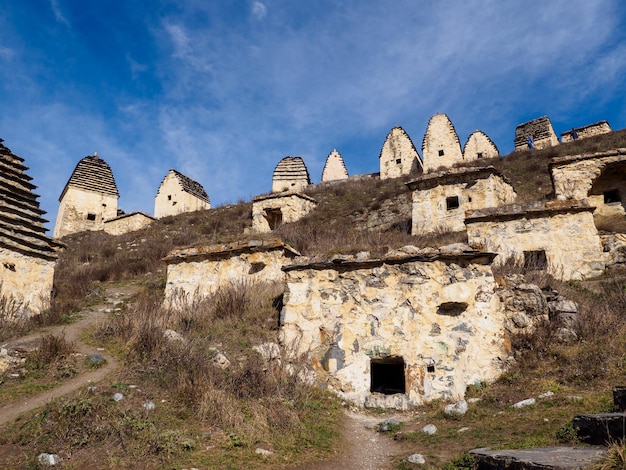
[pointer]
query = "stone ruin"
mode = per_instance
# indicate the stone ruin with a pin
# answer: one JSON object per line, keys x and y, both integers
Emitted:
{"x": 538, "y": 133}
{"x": 334, "y": 168}
{"x": 193, "y": 273}
{"x": 598, "y": 177}
{"x": 290, "y": 174}
{"x": 88, "y": 199}
{"x": 271, "y": 210}
{"x": 440, "y": 146}
{"x": 27, "y": 255}
{"x": 127, "y": 223}
{"x": 396, "y": 332}
{"x": 590, "y": 130}
{"x": 441, "y": 199}
{"x": 557, "y": 237}
{"x": 398, "y": 156}
{"x": 479, "y": 146}
{"x": 178, "y": 194}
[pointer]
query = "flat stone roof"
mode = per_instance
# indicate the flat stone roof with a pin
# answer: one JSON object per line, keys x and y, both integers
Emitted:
{"x": 458, "y": 252}
{"x": 557, "y": 161}
{"x": 284, "y": 194}
{"x": 227, "y": 250}
{"x": 454, "y": 176}
{"x": 532, "y": 210}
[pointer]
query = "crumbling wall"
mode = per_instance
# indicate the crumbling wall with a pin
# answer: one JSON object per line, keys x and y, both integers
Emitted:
{"x": 398, "y": 156}
{"x": 584, "y": 132}
{"x": 127, "y": 223}
{"x": 441, "y": 146}
{"x": 270, "y": 211}
{"x": 479, "y": 146}
{"x": 334, "y": 168}
{"x": 81, "y": 210}
{"x": 541, "y": 132}
{"x": 559, "y": 238}
{"x": 436, "y": 313}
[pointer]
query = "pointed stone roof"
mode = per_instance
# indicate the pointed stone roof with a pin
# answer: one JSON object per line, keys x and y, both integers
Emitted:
{"x": 440, "y": 145}
{"x": 290, "y": 174}
{"x": 21, "y": 224}
{"x": 334, "y": 168}
{"x": 92, "y": 174}
{"x": 188, "y": 185}
{"x": 480, "y": 142}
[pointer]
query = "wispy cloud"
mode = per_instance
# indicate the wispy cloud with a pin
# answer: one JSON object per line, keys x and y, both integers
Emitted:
{"x": 259, "y": 10}
{"x": 58, "y": 14}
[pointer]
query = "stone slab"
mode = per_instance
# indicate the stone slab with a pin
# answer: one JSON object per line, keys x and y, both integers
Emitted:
{"x": 547, "y": 458}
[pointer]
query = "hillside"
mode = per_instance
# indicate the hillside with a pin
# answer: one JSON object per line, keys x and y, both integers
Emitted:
{"x": 217, "y": 402}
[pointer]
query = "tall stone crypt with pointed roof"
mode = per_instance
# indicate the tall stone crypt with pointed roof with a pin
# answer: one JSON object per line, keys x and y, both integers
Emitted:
{"x": 88, "y": 199}
{"x": 179, "y": 193}
{"x": 27, "y": 255}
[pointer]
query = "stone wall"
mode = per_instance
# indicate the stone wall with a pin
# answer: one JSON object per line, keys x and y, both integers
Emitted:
{"x": 270, "y": 211}
{"x": 540, "y": 130}
{"x": 431, "y": 316}
{"x": 398, "y": 156}
{"x": 334, "y": 168}
{"x": 598, "y": 177}
{"x": 590, "y": 130}
{"x": 127, "y": 223}
{"x": 441, "y": 146}
{"x": 198, "y": 272}
{"x": 564, "y": 232}
{"x": 479, "y": 146}
{"x": 26, "y": 283}
{"x": 441, "y": 199}
{"x": 291, "y": 174}
{"x": 178, "y": 194}
{"x": 82, "y": 210}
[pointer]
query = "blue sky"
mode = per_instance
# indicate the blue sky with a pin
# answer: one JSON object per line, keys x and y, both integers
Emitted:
{"x": 221, "y": 90}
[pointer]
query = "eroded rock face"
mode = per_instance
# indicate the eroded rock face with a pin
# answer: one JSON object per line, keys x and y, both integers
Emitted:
{"x": 398, "y": 156}
{"x": 400, "y": 331}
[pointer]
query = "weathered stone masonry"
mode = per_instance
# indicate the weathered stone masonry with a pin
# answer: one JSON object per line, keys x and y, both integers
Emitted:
{"x": 584, "y": 132}
{"x": 178, "y": 194}
{"x": 441, "y": 146}
{"x": 540, "y": 130}
{"x": 399, "y": 331}
{"x": 398, "y": 156}
{"x": 272, "y": 210}
{"x": 290, "y": 174}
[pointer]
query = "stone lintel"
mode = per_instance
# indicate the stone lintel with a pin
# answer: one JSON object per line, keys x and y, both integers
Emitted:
{"x": 559, "y": 161}
{"x": 454, "y": 176}
{"x": 284, "y": 194}
{"x": 228, "y": 250}
{"x": 533, "y": 210}
{"x": 123, "y": 216}
{"x": 430, "y": 256}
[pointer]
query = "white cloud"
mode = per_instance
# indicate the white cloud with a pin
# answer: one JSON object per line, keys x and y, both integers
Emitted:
{"x": 6, "y": 53}
{"x": 58, "y": 14}
{"x": 259, "y": 10}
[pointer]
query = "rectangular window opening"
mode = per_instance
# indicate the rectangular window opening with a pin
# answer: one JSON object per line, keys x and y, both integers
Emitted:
{"x": 441, "y": 153}
{"x": 452, "y": 203}
{"x": 479, "y": 155}
{"x": 535, "y": 260}
{"x": 611, "y": 196}
{"x": 91, "y": 216}
{"x": 398, "y": 161}
{"x": 387, "y": 375}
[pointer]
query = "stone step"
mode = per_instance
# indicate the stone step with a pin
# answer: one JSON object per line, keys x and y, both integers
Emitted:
{"x": 601, "y": 428}
{"x": 547, "y": 458}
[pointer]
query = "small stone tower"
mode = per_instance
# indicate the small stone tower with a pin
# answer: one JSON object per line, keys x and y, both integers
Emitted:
{"x": 27, "y": 255}
{"x": 537, "y": 133}
{"x": 334, "y": 168}
{"x": 398, "y": 156}
{"x": 290, "y": 174}
{"x": 478, "y": 146}
{"x": 441, "y": 146}
{"x": 88, "y": 199}
{"x": 179, "y": 193}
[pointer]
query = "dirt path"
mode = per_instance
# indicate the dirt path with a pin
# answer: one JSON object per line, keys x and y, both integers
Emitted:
{"x": 362, "y": 448}
{"x": 90, "y": 319}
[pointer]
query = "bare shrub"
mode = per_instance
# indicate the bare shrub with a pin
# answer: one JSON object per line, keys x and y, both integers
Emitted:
{"x": 51, "y": 349}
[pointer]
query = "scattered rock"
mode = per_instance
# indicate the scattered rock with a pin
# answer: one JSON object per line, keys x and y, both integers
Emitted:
{"x": 268, "y": 351}
{"x": 118, "y": 396}
{"x": 264, "y": 452}
{"x": 172, "y": 335}
{"x": 473, "y": 400}
{"x": 149, "y": 405}
{"x": 388, "y": 425}
{"x": 429, "y": 429}
{"x": 416, "y": 458}
{"x": 220, "y": 360}
{"x": 523, "y": 403}
{"x": 547, "y": 394}
{"x": 458, "y": 408}
{"x": 95, "y": 360}
{"x": 48, "y": 459}
{"x": 573, "y": 398}
{"x": 465, "y": 429}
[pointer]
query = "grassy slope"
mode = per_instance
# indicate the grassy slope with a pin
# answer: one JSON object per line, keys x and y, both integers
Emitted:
{"x": 217, "y": 418}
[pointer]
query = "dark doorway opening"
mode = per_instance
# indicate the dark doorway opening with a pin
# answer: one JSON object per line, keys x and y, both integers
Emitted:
{"x": 387, "y": 375}
{"x": 274, "y": 218}
{"x": 611, "y": 196}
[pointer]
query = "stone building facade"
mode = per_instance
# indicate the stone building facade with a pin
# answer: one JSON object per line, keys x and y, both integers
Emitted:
{"x": 88, "y": 199}
{"x": 441, "y": 146}
{"x": 271, "y": 210}
{"x": 197, "y": 272}
{"x": 560, "y": 238}
{"x": 590, "y": 130}
{"x": 441, "y": 199}
{"x": 178, "y": 194}
{"x": 398, "y": 156}
{"x": 396, "y": 332}
{"x": 27, "y": 255}
{"x": 127, "y": 223}
{"x": 291, "y": 174}
{"x": 539, "y": 131}
{"x": 598, "y": 177}
{"x": 479, "y": 146}
{"x": 334, "y": 168}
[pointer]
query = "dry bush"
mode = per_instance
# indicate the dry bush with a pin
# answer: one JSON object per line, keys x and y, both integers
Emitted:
{"x": 51, "y": 349}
